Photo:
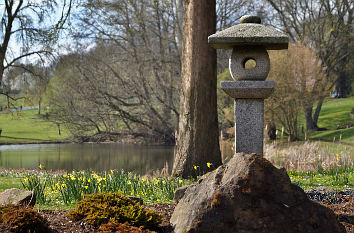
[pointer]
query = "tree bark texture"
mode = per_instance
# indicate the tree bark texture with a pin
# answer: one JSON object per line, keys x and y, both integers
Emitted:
{"x": 311, "y": 121}
{"x": 310, "y": 124}
{"x": 343, "y": 85}
{"x": 318, "y": 110}
{"x": 197, "y": 139}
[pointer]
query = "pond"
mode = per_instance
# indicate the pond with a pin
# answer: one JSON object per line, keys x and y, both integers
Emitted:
{"x": 95, "y": 157}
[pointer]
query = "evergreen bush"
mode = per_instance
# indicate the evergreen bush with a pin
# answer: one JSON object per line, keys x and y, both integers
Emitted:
{"x": 102, "y": 208}
{"x": 21, "y": 219}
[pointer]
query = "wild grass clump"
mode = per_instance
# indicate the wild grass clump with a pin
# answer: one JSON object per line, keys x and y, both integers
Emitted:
{"x": 71, "y": 187}
{"x": 37, "y": 184}
{"x": 310, "y": 156}
{"x": 103, "y": 208}
{"x": 22, "y": 219}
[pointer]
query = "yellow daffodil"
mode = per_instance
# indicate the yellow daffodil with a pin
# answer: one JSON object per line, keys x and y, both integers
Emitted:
{"x": 209, "y": 164}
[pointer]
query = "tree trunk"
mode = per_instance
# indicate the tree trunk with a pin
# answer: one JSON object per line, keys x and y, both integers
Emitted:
{"x": 317, "y": 111}
{"x": 39, "y": 105}
{"x": 2, "y": 58}
{"x": 292, "y": 138}
{"x": 58, "y": 125}
{"x": 272, "y": 131}
{"x": 310, "y": 124}
{"x": 342, "y": 85}
{"x": 197, "y": 140}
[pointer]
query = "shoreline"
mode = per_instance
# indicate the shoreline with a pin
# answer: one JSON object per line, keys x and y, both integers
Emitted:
{"x": 44, "y": 142}
{"x": 124, "y": 140}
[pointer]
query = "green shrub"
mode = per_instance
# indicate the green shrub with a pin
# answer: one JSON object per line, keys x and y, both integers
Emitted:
{"x": 121, "y": 227}
{"x": 102, "y": 208}
{"x": 21, "y": 219}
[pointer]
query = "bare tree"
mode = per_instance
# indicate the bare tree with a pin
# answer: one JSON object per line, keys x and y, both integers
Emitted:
{"x": 129, "y": 80}
{"x": 327, "y": 26}
{"x": 41, "y": 75}
{"x": 28, "y": 23}
{"x": 229, "y": 11}
{"x": 300, "y": 81}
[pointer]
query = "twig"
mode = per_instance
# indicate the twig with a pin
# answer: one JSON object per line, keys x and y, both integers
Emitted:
{"x": 32, "y": 195}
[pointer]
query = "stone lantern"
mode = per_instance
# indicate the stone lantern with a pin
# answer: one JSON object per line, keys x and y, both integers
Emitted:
{"x": 249, "y": 40}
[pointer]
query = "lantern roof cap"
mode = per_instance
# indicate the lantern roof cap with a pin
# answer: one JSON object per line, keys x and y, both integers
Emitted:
{"x": 249, "y": 32}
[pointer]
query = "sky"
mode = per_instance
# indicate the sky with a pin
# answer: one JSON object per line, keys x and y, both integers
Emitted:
{"x": 14, "y": 45}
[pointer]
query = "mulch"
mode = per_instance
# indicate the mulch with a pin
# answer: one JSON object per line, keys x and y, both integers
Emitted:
{"x": 58, "y": 222}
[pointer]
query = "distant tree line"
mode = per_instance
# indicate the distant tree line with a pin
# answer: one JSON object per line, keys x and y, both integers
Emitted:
{"x": 122, "y": 72}
{"x": 129, "y": 80}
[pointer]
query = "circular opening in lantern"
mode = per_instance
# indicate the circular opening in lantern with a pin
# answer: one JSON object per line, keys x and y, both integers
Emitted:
{"x": 249, "y": 63}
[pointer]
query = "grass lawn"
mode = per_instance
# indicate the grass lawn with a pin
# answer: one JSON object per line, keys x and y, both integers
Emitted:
{"x": 28, "y": 127}
{"x": 336, "y": 112}
{"x": 7, "y": 182}
{"x": 337, "y": 179}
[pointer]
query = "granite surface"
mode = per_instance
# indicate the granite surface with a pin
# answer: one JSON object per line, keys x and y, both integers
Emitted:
{"x": 249, "y": 34}
{"x": 249, "y": 125}
{"x": 241, "y": 54}
{"x": 248, "y": 89}
{"x": 250, "y": 19}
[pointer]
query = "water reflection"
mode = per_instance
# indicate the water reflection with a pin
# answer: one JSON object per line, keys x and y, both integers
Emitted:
{"x": 96, "y": 157}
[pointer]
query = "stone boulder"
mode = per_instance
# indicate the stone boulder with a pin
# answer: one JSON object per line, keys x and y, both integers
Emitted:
{"x": 16, "y": 196}
{"x": 249, "y": 194}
